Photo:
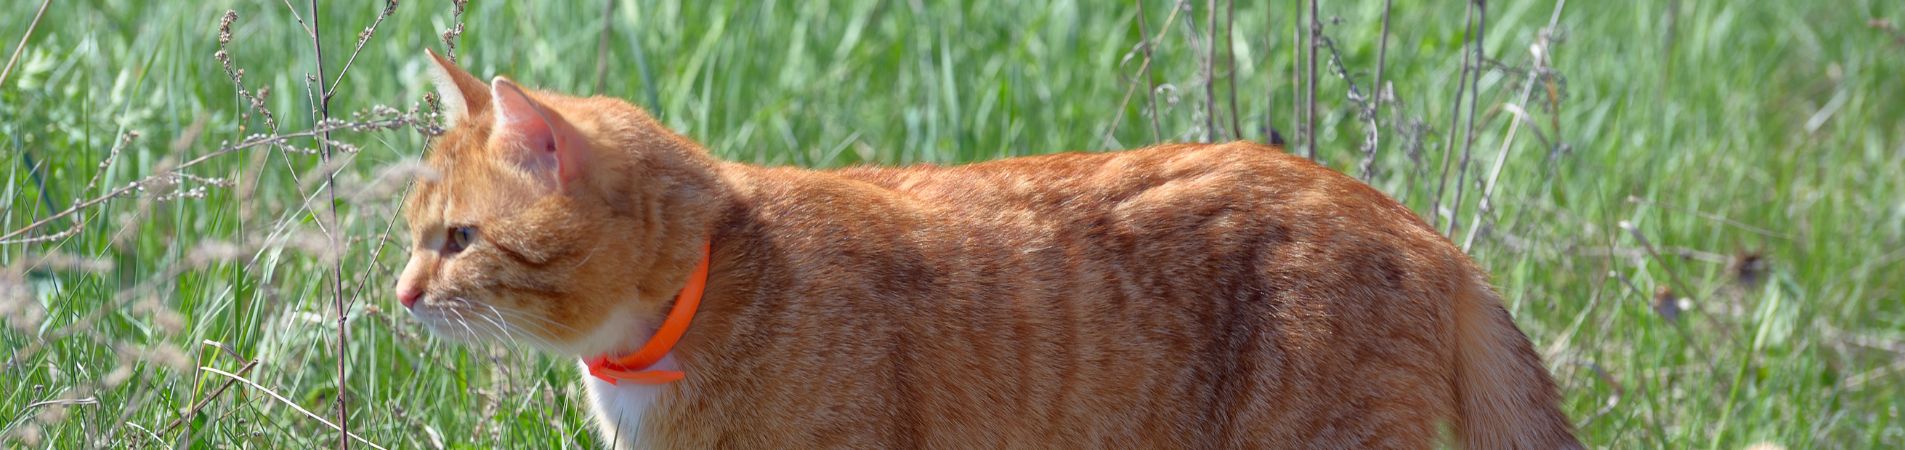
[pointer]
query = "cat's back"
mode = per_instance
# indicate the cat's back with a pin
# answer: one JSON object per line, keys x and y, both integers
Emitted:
{"x": 1164, "y": 211}
{"x": 1168, "y": 186}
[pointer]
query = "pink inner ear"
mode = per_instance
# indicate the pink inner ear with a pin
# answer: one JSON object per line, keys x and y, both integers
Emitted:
{"x": 528, "y": 127}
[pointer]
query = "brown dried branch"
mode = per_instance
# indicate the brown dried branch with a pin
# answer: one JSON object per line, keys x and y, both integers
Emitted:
{"x": 384, "y": 118}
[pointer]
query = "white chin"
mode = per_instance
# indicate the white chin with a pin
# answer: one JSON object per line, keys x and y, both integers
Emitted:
{"x": 619, "y": 333}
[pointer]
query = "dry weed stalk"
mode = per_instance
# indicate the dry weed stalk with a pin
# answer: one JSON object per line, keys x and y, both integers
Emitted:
{"x": 1538, "y": 70}
{"x": 183, "y": 177}
{"x": 1144, "y": 68}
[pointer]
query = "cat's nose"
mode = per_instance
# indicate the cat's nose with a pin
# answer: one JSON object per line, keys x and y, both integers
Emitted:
{"x": 408, "y": 296}
{"x": 410, "y": 282}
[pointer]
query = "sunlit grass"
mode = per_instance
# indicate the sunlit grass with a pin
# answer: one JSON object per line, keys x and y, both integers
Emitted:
{"x": 1755, "y": 149}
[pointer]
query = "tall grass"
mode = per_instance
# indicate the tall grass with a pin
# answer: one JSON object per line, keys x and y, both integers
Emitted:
{"x": 1694, "y": 208}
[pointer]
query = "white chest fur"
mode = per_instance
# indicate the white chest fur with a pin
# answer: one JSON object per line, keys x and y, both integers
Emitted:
{"x": 622, "y": 410}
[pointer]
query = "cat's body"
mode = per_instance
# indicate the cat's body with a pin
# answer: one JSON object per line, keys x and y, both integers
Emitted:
{"x": 1187, "y": 296}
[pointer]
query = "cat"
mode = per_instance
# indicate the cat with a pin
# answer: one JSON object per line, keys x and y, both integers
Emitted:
{"x": 1179, "y": 296}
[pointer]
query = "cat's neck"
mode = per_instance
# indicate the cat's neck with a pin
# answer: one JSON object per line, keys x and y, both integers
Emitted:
{"x": 734, "y": 255}
{"x": 666, "y": 197}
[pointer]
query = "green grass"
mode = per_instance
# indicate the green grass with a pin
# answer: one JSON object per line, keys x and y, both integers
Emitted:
{"x": 1716, "y": 129}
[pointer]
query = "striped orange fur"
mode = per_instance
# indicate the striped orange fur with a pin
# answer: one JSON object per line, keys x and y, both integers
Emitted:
{"x": 1180, "y": 296}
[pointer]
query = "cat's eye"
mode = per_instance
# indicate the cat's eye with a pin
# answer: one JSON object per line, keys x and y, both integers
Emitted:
{"x": 459, "y": 238}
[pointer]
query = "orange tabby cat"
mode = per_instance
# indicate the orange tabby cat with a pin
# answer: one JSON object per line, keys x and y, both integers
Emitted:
{"x": 1181, "y": 296}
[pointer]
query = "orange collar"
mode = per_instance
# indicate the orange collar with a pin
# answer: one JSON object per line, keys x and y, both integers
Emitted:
{"x": 633, "y": 367}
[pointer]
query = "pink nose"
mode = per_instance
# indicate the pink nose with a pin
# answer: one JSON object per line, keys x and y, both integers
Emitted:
{"x": 408, "y": 296}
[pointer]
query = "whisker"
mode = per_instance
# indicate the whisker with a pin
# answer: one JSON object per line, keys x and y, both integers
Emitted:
{"x": 460, "y": 320}
{"x": 537, "y": 320}
{"x": 493, "y": 319}
{"x": 504, "y": 325}
{"x": 500, "y": 319}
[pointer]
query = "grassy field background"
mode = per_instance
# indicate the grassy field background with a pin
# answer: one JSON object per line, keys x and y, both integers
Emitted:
{"x": 1695, "y": 208}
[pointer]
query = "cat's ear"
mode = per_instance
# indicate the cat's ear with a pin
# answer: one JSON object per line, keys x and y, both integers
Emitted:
{"x": 535, "y": 135}
{"x": 463, "y": 95}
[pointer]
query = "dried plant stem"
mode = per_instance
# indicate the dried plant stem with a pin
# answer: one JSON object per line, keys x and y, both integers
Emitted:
{"x": 113, "y": 304}
{"x": 337, "y": 265}
{"x": 24, "y": 37}
{"x": 1144, "y": 70}
{"x": 7, "y": 72}
{"x": 1210, "y": 72}
{"x": 1230, "y": 64}
{"x": 1365, "y": 110}
{"x": 177, "y": 170}
{"x": 200, "y": 405}
{"x": 1535, "y": 70}
{"x": 390, "y": 7}
{"x": 73, "y": 228}
{"x": 1474, "y": 92}
{"x": 1455, "y": 119}
{"x": 1270, "y": 134}
{"x": 1296, "y": 73}
{"x": 456, "y": 28}
{"x": 63, "y": 402}
{"x": 294, "y": 405}
{"x": 297, "y": 17}
{"x": 1377, "y": 91}
{"x": 1309, "y": 119}
{"x": 602, "y": 45}
{"x": 378, "y": 251}
{"x": 1679, "y": 286}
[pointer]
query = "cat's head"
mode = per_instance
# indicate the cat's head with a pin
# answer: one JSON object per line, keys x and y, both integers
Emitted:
{"x": 562, "y": 222}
